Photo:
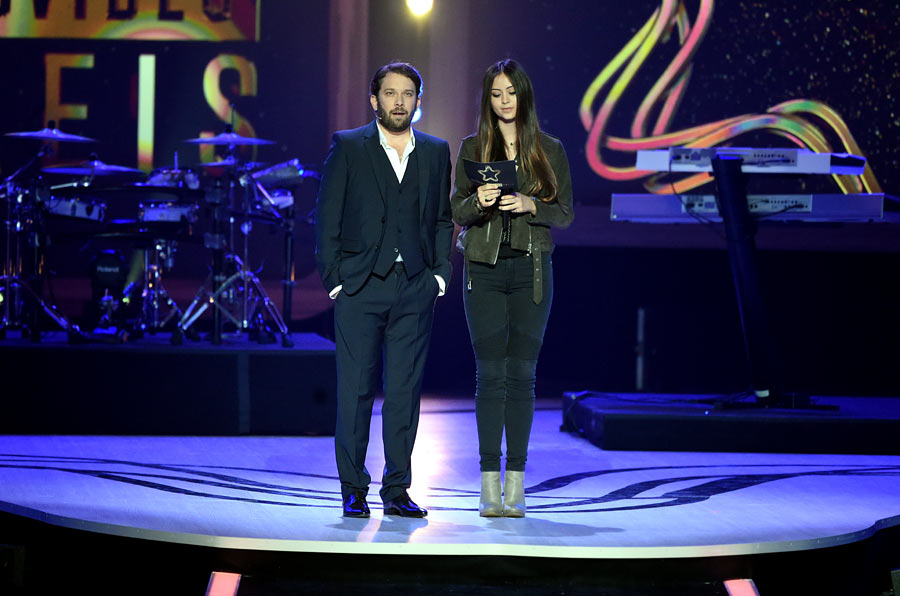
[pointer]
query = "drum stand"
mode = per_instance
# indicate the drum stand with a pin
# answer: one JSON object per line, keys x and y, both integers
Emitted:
{"x": 154, "y": 296}
{"x": 282, "y": 176}
{"x": 286, "y": 222}
{"x": 240, "y": 291}
{"x": 12, "y": 290}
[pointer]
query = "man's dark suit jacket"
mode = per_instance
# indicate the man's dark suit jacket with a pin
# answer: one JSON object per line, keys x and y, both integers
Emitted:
{"x": 350, "y": 208}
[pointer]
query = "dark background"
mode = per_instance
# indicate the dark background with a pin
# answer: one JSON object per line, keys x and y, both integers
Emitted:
{"x": 830, "y": 289}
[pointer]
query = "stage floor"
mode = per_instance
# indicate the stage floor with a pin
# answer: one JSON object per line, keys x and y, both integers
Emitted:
{"x": 281, "y": 494}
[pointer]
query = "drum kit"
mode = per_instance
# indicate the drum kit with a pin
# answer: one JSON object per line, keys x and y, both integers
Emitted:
{"x": 225, "y": 198}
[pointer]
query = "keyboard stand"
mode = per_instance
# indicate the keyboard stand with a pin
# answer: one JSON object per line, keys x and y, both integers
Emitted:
{"x": 740, "y": 232}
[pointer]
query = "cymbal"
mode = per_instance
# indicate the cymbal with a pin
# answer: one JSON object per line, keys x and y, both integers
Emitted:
{"x": 229, "y": 138}
{"x": 51, "y": 134}
{"x": 93, "y": 167}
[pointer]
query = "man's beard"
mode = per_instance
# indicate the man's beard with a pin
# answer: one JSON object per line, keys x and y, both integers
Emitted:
{"x": 391, "y": 122}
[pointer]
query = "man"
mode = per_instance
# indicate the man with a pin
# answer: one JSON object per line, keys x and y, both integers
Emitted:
{"x": 383, "y": 235}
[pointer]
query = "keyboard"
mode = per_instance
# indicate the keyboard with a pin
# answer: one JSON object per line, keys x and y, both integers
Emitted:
{"x": 691, "y": 208}
{"x": 755, "y": 161}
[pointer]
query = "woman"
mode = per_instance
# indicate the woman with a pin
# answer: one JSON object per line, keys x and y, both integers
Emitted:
{"x": 508, "y": 274}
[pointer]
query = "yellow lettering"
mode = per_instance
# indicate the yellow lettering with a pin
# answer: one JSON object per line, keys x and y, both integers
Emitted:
{"x": 220, "y": 104}
{"x": 146, "y": 110}
{"x": 54, "y": 109}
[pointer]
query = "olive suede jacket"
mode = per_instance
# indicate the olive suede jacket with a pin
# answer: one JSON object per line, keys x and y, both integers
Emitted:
{"x": 480, "y": 238}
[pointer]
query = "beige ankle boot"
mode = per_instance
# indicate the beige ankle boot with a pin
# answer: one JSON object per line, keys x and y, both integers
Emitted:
{"x": 490, "y": 505}
{"x": 514, "y": 494}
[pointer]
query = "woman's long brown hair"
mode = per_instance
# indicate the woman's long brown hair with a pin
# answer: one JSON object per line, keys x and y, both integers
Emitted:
{"x": 528, "y": 133}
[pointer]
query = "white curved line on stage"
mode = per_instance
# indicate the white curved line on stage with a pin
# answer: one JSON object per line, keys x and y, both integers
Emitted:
{"x": 452, "y": 549}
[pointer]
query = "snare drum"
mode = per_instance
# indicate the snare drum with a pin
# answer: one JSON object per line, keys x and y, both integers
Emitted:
{"x": 176, "y": 212}
{"x": 77, "y": 208}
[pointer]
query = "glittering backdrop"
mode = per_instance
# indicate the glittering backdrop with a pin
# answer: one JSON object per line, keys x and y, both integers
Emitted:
{"x": 752, "y": 56}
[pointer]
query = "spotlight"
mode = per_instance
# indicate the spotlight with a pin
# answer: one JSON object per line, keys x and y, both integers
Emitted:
{"x": 420, "y": 7}
{"x": 417, "y": 115}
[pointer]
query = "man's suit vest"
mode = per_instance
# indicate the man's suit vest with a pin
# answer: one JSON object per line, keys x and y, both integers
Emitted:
{"x": 401, "y": 229}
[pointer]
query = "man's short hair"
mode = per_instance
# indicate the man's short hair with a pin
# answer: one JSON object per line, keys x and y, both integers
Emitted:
{"x": 403, "y": 68}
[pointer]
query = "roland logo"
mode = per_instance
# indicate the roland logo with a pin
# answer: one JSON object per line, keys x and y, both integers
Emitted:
{"x": 107, "y": 269}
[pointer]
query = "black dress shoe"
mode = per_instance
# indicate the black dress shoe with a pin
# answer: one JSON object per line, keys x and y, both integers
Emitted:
{"x": 355, "y": 505}
{"x": 403, "y": 506}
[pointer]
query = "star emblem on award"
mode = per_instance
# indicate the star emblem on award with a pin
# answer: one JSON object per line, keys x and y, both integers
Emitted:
{"x": 489, "y": 174}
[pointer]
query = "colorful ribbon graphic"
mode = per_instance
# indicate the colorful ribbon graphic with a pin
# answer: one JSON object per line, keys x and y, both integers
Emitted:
{"x": 805, "y": 123}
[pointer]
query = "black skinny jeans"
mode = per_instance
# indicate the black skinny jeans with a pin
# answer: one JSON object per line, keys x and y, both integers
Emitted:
{"x": 507, "y": 330}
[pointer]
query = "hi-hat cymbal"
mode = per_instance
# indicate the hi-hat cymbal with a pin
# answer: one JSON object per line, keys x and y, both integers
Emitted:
{"x": 51, "y": 134}
{"x": 93, "y": 167}
{"x": 229, "y": 138}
